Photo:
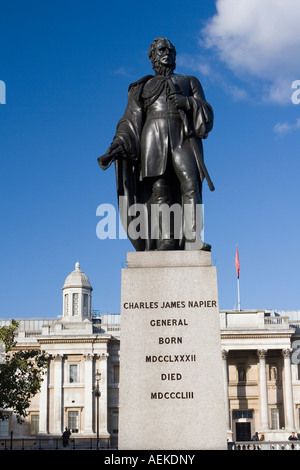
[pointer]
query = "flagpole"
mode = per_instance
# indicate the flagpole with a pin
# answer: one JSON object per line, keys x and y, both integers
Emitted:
{"x": 239, "y": 300}
{"x": 237, "y": 265}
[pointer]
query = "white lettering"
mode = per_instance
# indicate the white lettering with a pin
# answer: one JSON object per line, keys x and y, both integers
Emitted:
{"x": 296, "y": 352}
{"x": 138, "y": 227}
{"x": 106, "y": 228}
{"x": 171, "y": 459}
{"x": 2, "y": 92}
{"x": 296, "y": 94}
{"x": 161, "y": 214}
{"x": 115, "y": 460}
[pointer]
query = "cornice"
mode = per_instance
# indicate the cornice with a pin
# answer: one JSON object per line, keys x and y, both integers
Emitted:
{"x": 76, "y": 340}
{"x": 26, "y": 347}
{"x": 255, "y": 335}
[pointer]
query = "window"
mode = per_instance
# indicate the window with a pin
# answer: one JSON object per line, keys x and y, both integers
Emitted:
{"x": 116, "y": 374}
{"x": 73, "y": 373}
{"x": 75, "y": 304}
{"x": 34, "y": 424}
{"x": 66, "y": 305}
{"x": 85, "y": 304}
{"x": 115, "y": 422}
{"x": 4, "y": 426}
{"x": 73, "y": 421}
{"x": 242, "y": 414}
{"x": 275, "y": 418}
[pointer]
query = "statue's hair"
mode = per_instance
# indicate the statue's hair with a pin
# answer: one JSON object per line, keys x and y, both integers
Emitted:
{"x": 152, "y": 51}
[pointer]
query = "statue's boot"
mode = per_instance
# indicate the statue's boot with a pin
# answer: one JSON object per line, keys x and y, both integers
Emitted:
{"x": 193, "y": 222}
{"x": 162, "y": 226}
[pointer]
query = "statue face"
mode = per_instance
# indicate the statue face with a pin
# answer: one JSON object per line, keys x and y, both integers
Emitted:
{"x": 165, "y": 53}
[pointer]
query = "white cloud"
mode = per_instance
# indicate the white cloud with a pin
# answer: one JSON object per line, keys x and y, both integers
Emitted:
{"x": 283, "y": 128}
{"x": 123, "y": 71}
{"x": 200, "y": 64}
{"x": 197, "y": 63}
{"x": 236, "y": 92}
{"x": 258, "y": 38}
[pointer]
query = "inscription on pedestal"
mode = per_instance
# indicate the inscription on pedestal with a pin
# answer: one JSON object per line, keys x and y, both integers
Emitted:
{"x": 156, "y": 328}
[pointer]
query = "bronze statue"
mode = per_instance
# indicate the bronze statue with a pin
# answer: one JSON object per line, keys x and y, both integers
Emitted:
{"x": 158, "y": 154}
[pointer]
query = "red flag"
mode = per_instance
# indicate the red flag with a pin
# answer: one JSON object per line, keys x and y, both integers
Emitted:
{"x": 237, "y": 263}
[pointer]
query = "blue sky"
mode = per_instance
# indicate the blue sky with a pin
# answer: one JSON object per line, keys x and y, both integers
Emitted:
{"x": 67, "y": 66}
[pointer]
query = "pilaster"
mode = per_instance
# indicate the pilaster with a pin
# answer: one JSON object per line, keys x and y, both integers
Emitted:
{"x": 288, "y": 391}
{"x": 58, "y": 391}
{"x": 264, "y": 413}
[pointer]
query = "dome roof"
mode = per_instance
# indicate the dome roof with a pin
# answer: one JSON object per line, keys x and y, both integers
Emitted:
{"x": 77, "y": 278}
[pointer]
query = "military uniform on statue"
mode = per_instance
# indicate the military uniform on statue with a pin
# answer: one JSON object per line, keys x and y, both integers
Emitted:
{"x": 158, "y": 151}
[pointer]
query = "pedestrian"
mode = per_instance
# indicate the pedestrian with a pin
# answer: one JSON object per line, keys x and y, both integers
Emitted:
{"x": 65, "y": 437}
{"x": 293, "y": 437}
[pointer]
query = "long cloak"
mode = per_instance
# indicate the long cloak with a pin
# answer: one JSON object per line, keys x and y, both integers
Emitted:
{"x": 131, "y": 188}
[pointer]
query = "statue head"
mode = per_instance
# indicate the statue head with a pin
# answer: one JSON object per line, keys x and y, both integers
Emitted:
{"x": 162, "y": 55}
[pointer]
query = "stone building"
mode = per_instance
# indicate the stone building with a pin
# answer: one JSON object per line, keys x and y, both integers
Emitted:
{"x": 261, "y": 374}
{"x": 260, "y": 363}
{"x": 80, "y": 346}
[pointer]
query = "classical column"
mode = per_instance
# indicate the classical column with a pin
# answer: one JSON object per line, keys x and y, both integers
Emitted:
{"x": 88, "y": 394}
{"x": 103, "y": 399}
{"x": 288, "y": 391}
{"x": 57, "y": 411}
{"x": 44, "y": 404}
{"x": 225, "y": 374}
{"x": 263, "y": 390}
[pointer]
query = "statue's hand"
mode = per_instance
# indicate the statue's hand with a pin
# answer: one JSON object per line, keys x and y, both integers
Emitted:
{"x": 117, "y": 151}
{"x": 115, "y": 148}
{"x": 180, "y": 101}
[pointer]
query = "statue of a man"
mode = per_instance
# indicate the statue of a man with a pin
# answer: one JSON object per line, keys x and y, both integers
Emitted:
{"x": 158, "y": 155}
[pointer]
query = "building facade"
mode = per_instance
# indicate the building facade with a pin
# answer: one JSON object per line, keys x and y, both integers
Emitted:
{"x": 261, "y": 373}
{"x": 80, "y": 345}
{"x": 260, "y": 364}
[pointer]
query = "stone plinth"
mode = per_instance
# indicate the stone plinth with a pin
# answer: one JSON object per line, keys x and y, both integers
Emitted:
{"x": 171, "y": 383}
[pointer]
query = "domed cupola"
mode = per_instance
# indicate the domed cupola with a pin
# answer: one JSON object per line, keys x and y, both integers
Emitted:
{"x": 77, "y": 296}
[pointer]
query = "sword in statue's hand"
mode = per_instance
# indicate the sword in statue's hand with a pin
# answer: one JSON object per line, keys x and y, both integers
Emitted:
{"x": 181, "y": 102}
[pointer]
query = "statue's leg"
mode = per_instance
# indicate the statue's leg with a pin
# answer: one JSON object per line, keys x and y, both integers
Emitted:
{"x": 192, "y": 215}
{"x": 186, "y": 169}
{"x": 161, "y": 217}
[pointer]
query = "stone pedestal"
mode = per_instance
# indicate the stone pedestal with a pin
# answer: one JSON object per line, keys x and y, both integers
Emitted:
{"x": 171, "y": 378}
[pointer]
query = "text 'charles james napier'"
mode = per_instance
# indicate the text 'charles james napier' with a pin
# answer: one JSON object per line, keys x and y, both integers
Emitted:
{"x": 171, "y": 304}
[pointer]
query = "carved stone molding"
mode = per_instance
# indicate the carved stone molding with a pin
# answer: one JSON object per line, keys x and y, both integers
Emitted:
{"x": 225, "y": 353}
{"x": 88, "y": 357}
{"x": 103, "y": 356}
{"x": 286, "y": 353}
{"x": 58, "y": 357}
{"x": 262, "y": 353}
